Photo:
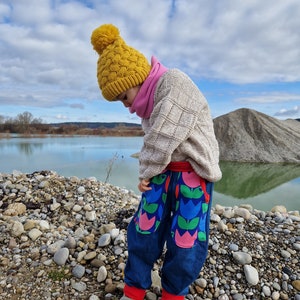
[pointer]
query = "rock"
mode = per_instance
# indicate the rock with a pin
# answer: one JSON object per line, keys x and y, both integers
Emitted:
{"x": 285, "y": 253}
{"x": 233, "y": 247}
{"x": 104, "y": 240}
{"x": 102, "y": 274}
{"x": 79, "y": 286}
{"x": 155, "y": 278}
{"x": 34, "y": 233}
{"x": 296, "y": 284}
{"x": 94, "y": 297}
{"x": 222, "y": 227}
{"x": 12, "y": 243}
{"x": 279, "y": 208}
{"x": 29, "y": 224}
{"x": 77, "y": 208}
{"x": 201, "y": 282}
{"x": 90, "y": 215}
{"x": 266, "y": 291}
{"x": 90, "y": 255}
{"x": 242, "y": 258}
{"x": 114, "y": 233}
{"x": 275, "y": 295}
{"x": 17, "y": 229}
{"x": 120, "y": 239}
{"x": 78, "y": 271}
{"x": 61, "y": 256}
{"x": 15, "y": 209}
{"x": 44, "y": 225}
{"x": 70, "y": 242}
{"x": 242, "y": 212}
{"x": 51, "y": 249}
{"x": 251, "y": 275}
{"x": 223, "y": 297}
{"x": 81, "y": 190}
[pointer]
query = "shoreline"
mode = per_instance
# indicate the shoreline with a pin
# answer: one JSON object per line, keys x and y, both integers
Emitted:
{"x": 65, "y": 238}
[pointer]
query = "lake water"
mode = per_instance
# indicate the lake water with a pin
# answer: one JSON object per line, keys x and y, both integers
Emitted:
{"x": 110, "y": 159}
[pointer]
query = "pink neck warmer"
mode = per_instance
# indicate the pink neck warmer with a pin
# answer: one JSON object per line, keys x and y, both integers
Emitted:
{"x": 144, "y": 100}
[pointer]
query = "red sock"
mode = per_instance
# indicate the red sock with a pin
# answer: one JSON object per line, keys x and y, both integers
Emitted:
{"x": 134, "y": 293}
{"x": 168, "y": 296}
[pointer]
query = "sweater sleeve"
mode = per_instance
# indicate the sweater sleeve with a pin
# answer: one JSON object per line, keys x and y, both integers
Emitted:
{"x": 176, "y": 108}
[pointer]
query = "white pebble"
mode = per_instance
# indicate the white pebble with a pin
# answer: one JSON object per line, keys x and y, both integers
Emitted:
{"x": 251, "y": 275}
{"x": 102, "y": 274}
{"x": 34, "y": 234}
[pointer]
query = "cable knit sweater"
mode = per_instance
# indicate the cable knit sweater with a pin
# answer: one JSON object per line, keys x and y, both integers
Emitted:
{"x": 180, "y": 128}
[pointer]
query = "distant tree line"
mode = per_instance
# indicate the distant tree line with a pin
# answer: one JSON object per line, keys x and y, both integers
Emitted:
{"x": 25, "y": 123}
{"x": 22, "y": 123}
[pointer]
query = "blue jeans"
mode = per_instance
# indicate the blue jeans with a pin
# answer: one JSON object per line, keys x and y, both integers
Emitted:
{"x": 176, "y": 212}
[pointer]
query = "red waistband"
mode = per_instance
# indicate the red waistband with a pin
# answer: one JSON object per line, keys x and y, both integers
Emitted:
{"x": 180, "y": 166}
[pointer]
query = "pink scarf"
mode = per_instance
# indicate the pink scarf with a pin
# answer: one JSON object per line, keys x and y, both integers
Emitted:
{"x": 144, "y": 100}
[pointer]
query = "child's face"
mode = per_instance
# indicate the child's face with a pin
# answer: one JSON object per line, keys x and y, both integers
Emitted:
{"x": 127, "y": 98}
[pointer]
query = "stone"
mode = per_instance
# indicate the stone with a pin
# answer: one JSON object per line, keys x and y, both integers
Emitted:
{"x": 17, "y": 229}
{"x": 266, "y": 291}
{"x": 81, "y": 190}
{"x": 79, "y": 286}
{"x": 90, "y": 255}
{"x": 78, "y": 271}
{"x": 70, "y": 242}
{"x": 104, "y": 240}
{"x": 61, "y": 256}
{"x": 34, "y": 234}
{"x": 44, "y": 225}
{"x": 90, "y": 215}
{"x": 52, "y": 248}
{"x": 243, "y": 212}
{"x": 251, "y": 275}
{"x": 279, "y": 208}
{"x": 94, "y": 297}
{"x": 242, "y": 258}
{"x": 275, "y": 295}
{"x": 296, "y": 284}
{"x": 15, "y": 209}
{"x": 102, "y": 274}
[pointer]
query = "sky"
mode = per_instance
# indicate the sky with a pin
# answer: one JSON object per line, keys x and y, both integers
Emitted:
{"x": 241, "y": 54}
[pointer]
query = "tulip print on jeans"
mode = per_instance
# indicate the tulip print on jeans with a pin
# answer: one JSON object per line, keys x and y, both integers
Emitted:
{"x": 188, "y": 208}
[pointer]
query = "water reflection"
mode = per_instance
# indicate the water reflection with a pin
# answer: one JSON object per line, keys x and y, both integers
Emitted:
{"x": 245, "y": 180}
{"x": 25, "y": 146}
{"x": 28, "y": 148}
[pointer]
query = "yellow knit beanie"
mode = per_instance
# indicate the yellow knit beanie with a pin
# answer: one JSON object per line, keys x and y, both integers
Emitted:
{"x": 120, "y": 67}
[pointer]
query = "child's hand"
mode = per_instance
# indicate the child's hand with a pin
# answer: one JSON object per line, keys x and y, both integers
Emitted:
{"x": 143, "y": 185}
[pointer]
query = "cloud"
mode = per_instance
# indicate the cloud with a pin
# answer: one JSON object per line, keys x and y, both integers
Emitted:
{"x": 288, "y": 112}
{"x": 269, "y": 97}
{"x": 47, "y": 60}
{"x": 77, "y": 105}
{"x": 61, "y": 117}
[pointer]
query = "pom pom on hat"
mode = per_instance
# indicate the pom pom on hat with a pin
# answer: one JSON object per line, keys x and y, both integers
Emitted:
{"x": 104, "y": 36}
{"x": 120, "y": 67}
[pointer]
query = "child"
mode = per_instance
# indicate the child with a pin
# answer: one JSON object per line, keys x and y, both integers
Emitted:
{"x": 178, "y": 163}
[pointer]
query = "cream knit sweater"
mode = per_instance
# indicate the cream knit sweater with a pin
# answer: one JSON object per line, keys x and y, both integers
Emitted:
{"x": 180, "y": 128}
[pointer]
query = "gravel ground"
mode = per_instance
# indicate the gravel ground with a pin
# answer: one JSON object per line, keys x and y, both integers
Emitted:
{"x": 65, "y": 238}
